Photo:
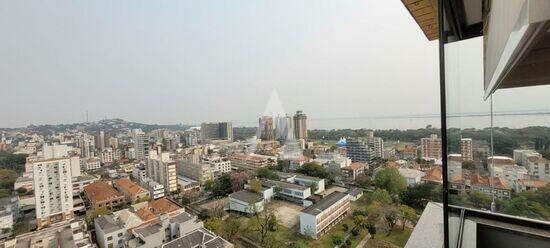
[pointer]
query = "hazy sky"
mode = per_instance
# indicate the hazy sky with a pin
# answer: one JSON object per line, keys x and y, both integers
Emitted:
{"x": 193, "y": 61}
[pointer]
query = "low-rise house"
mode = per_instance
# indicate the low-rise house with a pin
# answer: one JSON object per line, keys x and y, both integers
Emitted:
{"x": 154, "y": 224}
{"x": 528, "y": 184}
{"x": 139, "y": 172}
{"x": 245, "y": 201}
{"x": 70, "y": 235}
{"x": 250, "y": 161}
{"x": 433, "y": 175}
{"x": 318, "y": 218}
{"x": 522, "y": 156}
{"x": 318, "y": 184}
{"x": 411, "y": 175}
{"x": 91, "y": 164}
{"x": 351, "y": 172}
{"x": 100, "y": 194}
{"x": 110, "y": 231}
{"x": 506, "y": 169}
{"x": 199, "y": 238}
{"x": 187, "y": 184}
{"x": 288, "y": 191}
{"x": 25, "y": 182}
{"x": 487, "y": 185}
{"x": 156, "y": 190}
{"x": 539, "y": 168}
{"x": 9, "y": 212}
{"x": 355, "y": 193}
{"x": 82, "y": 181}
{"x": 131, "y": 190}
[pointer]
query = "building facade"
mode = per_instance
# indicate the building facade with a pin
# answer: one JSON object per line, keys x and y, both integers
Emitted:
{"x": 300, "y": 125}
{"x": 162, "y": 169}
{"x": 467, "y": 149}
{"x": 318, "y": 218}
{"x": 430, "y": 148}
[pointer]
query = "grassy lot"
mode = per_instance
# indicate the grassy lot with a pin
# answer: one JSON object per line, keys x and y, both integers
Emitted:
{"x": 326, "y": 240}
{"x": 397, "y": 237}
{"x": 284, "y": 236}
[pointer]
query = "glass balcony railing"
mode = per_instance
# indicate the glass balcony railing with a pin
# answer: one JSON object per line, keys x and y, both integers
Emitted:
{"x": 497, "y": 117}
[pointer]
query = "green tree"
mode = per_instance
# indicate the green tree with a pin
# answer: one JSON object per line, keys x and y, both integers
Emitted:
{"x": 390, "y": 180}
{"x": 372, "y": 230}
{"x": 479, "y": 199}
{"x": 382, "y": 196}
{"x": 213, "y": 224}
{"x": 337, "y": 239}
{"x": 360, "y": 221}
{"x": 363, "y": 181}
{"x": 21, "y": 191}
{"x": 255, "y": 186}
{"x": 283, "y": 165}
{"x": 469, "y": 165}
{"x": 313, "y": 169}
{"x": 267, "y": 173}
{"x": 522, "y": 206}
{"x": 345, "y": 227}
{"x": 231, "y": 228}
{"x": 220, "y": 187}
{"x": 92, "y": 214}
{"x": 265, "y": 222}
{"x": 407, "y": 215}
{"x": 418, "y": 195}
{"x": 391, "y": 216}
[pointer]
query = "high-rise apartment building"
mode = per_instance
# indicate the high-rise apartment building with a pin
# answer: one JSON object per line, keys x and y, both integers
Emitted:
{"x": 113, "y": 142}
{"x": 466, "y": 149}
{"x": 86, "y": 143}
{"x": 216, "y": 131}
{"x": 300, "y": 125}
{"x": 284, "y": 128}
{"x": 266, "y": 129}
{"x": 430, "y": 148}
{"x": 193, "y": 168}
{"x": 162, "y": 169}
{"x": 52, "y": 173}
{"x": 376, "y": 143}
{"x": 141, "y": 144}
{"x": 359, "y": 151}
{"x": 100, "y": 140}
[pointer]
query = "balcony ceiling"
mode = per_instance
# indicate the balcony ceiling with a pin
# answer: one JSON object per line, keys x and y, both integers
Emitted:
{"x": 425, "y": 13}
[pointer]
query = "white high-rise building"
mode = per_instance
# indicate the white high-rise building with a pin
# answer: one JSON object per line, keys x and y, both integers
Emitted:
{"x": 52, "y": 173}
{"x": 283, "y": 127}
{"x": 86, "y": 143}
{"x": 431, "y": 147}
{"x": 141, "y": 144}
{"x": 467, "y": 149}
{"x": 376, "y": 143}
{"x": 100, "y": 140}
{"x": 162, "y": 169}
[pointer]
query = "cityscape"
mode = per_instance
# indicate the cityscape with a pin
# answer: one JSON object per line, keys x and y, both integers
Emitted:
{"x": 477, "y": 174}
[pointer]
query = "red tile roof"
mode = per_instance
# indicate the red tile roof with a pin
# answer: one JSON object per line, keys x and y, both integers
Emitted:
{"x": 435, "y": 174}
{"x": 100, "y": 192}
{"x": 130, "y": 187}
